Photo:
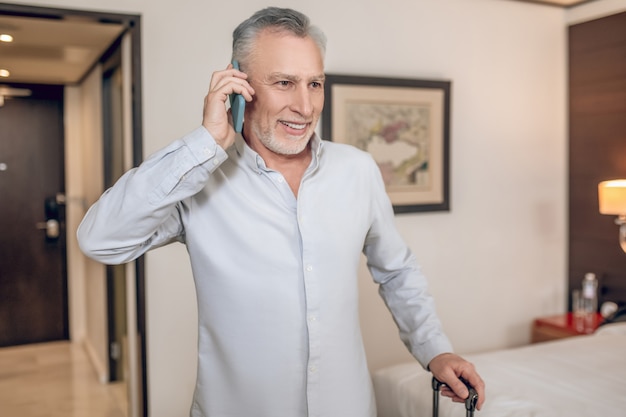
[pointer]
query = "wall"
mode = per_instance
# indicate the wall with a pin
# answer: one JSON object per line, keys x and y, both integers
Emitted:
{"x": 74, "y": 211}
{"x": 496, "y": 260}
{"x": 86, "y": 278}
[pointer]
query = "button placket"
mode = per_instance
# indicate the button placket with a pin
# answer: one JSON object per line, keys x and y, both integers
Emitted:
{"x": 313, "y": 327}
{"x": 313, "y": 322}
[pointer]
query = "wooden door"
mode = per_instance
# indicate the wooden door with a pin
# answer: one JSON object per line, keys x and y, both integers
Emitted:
{"x": 33, "y": 282}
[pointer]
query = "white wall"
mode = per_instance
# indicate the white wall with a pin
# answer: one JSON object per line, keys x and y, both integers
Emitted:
{"x": 497, "y": 259}
{"x": 84, "y": 179}
{"x": 74, "y": 212}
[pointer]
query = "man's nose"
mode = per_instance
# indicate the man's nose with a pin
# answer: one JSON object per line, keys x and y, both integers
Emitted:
{"x": 302, "y": 101}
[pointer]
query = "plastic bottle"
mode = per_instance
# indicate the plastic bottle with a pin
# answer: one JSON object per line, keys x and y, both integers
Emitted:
{"x": 590, "y": 293}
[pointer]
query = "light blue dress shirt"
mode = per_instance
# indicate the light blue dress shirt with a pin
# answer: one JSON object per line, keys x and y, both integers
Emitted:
{"x": 275, "y": 276}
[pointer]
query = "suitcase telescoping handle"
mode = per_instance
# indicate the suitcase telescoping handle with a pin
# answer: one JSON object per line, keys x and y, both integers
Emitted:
{"x": 470, "y": 402}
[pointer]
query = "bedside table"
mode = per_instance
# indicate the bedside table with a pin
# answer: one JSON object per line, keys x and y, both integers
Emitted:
{"x": 563, "y": 325}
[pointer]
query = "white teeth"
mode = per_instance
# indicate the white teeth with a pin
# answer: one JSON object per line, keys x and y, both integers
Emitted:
{"x": 294, "y": 125}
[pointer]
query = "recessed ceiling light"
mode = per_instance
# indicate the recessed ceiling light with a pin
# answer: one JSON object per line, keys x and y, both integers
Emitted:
{"x": 5, "y": 37}
{"x": 4, "y": 73}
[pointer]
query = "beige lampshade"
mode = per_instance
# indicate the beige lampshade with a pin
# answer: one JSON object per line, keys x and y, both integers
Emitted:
{"x": 612, "y": 197}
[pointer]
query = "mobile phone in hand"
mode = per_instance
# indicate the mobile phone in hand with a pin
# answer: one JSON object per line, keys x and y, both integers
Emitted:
{"x": 237, "y": 106}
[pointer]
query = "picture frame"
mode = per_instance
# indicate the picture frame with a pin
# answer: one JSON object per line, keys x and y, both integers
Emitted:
{"x": 405, "y": 125}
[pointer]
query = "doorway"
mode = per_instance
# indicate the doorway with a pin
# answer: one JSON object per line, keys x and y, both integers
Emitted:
{"x": 122, "y": 306}
{"x": 33, "y": 282}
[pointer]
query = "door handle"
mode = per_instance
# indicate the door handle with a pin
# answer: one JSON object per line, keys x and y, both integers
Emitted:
{"x": 51, "y": 227}
{"x": 52, "y": 224}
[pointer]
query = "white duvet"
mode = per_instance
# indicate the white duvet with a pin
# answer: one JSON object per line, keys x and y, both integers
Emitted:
{"x": 582, "y": 376}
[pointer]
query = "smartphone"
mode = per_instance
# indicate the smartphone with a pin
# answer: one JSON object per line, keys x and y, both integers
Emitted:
{"x": 237, "y": 106}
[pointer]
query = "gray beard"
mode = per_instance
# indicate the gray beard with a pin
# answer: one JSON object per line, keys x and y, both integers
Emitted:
{"x": 289, "y": 148}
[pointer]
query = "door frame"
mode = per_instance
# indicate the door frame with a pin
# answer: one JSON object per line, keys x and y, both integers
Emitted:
{"x": 132, "y": 22}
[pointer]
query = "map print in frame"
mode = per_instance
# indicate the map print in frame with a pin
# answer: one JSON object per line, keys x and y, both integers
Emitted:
{"x": 403, "y": 124}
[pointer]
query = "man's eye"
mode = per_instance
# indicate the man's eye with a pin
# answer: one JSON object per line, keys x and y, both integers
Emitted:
{"x": 283, "y": 83}
{"x": 316, "y": 84}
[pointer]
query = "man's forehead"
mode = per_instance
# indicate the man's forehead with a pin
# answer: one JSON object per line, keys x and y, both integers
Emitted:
{"x": 280, "y": 54}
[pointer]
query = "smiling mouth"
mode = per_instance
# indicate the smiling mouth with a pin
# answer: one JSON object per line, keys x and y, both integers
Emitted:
{"x": 298, "y": 126}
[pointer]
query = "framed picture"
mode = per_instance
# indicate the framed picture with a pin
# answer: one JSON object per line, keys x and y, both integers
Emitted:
{"x": 405, "y": 125}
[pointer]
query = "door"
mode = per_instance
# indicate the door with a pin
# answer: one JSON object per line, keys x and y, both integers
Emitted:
{"x": 33, "y": 282}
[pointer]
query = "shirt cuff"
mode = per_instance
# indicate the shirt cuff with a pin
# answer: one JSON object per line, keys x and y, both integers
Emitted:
{"x": 427, "y": 351}
{"x": 205, "y": 149}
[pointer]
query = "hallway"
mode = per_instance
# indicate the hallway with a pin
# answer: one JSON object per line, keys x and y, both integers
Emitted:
{"x": 55, "y": 380}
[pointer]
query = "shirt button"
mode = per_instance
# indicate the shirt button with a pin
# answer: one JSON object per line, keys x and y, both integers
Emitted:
{"x": 312, "y": 318}
{"x": 309, "y": 268}
{"x": 312, "y": 368}
{"x": 216, "y": 162}
{"x": 281, "y": 180}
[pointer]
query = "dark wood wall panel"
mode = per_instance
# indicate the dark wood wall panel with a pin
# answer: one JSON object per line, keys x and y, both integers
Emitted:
{"x": 597, "y": 150}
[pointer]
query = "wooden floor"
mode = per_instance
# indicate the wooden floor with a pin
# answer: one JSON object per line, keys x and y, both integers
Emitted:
{"x": 55, "y": 380}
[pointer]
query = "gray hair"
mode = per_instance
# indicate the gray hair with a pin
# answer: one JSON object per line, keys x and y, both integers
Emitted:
{"x": 278, "y": 19}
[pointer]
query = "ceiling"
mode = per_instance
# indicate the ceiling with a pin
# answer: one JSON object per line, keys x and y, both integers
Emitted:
{"x": 61, "y": 51}
{"x": 53, "y": 51}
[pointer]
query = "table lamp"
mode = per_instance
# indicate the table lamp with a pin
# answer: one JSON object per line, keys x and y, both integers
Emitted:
{"x": 612, "y": 200}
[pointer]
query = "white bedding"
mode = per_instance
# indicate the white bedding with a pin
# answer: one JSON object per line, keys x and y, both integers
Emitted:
{"x": 582, "y": 376}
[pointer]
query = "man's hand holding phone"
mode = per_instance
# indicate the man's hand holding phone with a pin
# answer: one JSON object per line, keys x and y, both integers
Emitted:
{"x": 216, "y": 120}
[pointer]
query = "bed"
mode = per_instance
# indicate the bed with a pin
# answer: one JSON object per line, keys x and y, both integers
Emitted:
{"x": 582, "y": 376}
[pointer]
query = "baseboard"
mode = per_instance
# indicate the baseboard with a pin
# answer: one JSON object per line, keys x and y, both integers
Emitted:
{"x": 100, "y": 368}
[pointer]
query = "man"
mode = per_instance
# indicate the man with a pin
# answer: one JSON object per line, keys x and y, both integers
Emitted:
{"x": 275, "y": 222}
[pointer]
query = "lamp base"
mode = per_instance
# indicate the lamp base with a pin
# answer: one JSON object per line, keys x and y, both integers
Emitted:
{"x": 621, "y": 222}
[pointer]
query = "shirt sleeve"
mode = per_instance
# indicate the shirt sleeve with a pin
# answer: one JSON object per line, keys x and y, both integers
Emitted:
{"x": 402, "y": 285}
{"x": 141, "y": 211}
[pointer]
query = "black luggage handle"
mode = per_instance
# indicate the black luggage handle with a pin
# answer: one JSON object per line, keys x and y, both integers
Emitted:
{"x": 470, "y": 401}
